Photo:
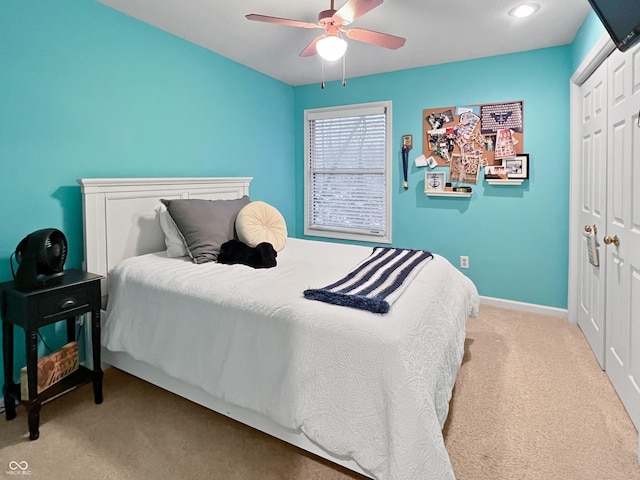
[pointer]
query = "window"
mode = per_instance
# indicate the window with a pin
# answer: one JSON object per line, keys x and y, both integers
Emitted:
{"x": 348, "y": 173}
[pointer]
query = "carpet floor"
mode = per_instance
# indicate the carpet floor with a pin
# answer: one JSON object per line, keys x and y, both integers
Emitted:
{"x": 530, "y": 402}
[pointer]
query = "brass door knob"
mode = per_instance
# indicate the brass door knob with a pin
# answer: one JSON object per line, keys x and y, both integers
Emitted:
{"x": 615, "y": 240}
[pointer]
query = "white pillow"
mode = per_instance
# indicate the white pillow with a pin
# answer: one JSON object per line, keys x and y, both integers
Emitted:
{"x": 259, "y": 222}
{"x": 172, "y": 237}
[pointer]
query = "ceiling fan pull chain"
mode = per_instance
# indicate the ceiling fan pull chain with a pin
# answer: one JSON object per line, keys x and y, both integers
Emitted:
{"x": 344, "y": 78}
{"x": 322, "y": 63}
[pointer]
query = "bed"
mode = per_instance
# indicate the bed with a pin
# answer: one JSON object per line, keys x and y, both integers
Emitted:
{"x": 364, "y": 390}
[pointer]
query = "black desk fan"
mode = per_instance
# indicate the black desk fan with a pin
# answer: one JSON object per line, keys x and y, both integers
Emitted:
{"x": 41, "y": 256}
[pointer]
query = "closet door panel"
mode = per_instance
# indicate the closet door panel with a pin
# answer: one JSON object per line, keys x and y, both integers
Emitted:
{"x": 622, "y": 236}
{"x": 593, "y": 185}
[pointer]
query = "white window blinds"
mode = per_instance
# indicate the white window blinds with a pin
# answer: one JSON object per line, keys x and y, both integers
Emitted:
{"x": 347, "y": 172}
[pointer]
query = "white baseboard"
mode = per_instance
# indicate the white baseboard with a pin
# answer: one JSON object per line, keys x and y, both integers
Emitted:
{"x": 2, "y": 404}
{"x": 524, "y": 307}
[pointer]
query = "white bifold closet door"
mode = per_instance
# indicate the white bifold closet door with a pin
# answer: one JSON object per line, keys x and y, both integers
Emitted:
{"x": 622, "y": 240}
{"x": 593, "y": 204}
{"x": 609, "y": 294}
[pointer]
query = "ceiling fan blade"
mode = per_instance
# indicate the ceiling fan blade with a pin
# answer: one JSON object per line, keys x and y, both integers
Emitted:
{"x": 281, "y": 21}
{"x": 375, "y": 38}
{"x": 310, "y": 50}
{"x": 354, "y": 9}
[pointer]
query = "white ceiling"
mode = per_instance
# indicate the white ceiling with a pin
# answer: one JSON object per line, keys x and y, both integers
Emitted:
{"x": 437, "y": 31}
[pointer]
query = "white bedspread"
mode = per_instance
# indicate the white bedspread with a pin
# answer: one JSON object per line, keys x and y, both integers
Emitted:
{"x": 372, "y": 387}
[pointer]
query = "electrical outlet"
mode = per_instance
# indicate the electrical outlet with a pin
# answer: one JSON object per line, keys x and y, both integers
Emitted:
{"x": 464, "y": 261}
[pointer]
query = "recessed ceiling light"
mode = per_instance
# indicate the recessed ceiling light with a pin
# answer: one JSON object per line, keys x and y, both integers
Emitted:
{"x": 524, "y": 10}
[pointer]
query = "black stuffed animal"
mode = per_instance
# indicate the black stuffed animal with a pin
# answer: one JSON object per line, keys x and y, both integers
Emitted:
{"x": 262, "y": 255}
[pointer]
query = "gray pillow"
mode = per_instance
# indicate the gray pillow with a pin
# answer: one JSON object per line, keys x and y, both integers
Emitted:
{"x": 205, "y": 224}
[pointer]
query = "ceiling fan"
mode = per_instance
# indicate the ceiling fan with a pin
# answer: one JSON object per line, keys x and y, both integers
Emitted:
{"x": 331, "y": 46}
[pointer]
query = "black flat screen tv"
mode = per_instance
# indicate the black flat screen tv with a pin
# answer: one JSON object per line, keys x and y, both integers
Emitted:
{"x": 621, "y": 18}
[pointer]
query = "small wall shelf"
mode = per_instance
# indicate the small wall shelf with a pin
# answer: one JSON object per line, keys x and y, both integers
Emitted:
{"x": 512, "y": 181}
{"x": 448, "y": 194}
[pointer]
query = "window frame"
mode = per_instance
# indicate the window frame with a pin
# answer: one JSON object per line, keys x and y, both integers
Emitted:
{"x": 348, "y": 111}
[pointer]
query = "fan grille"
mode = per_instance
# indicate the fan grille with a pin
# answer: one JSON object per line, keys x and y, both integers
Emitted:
{"x": 56, "y": 251}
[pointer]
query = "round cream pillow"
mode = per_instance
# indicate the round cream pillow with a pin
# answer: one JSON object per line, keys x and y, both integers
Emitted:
{"x": 259, "y": 222}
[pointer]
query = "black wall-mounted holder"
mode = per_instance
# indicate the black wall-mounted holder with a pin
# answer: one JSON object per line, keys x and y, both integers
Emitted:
{"x": 407, "y": 145}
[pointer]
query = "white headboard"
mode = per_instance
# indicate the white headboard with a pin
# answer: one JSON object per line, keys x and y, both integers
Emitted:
{"x": 119, "y": 214}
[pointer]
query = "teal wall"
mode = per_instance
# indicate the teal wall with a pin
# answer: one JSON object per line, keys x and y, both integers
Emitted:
{"x": 89, "y": 92}
{"x": 516, "y": 237}
{"x": 589, "y": 33}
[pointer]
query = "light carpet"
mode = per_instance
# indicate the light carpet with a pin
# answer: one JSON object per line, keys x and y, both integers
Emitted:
{"x": 530, "y": 402}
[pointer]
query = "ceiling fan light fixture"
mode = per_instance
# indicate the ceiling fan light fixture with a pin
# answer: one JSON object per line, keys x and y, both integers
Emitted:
{"x": 331, "y": 47}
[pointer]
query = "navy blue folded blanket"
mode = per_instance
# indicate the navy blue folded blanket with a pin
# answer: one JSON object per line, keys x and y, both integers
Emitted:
{"x": 376, "y": 282}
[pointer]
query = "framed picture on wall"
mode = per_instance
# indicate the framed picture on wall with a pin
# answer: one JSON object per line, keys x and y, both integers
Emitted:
{"x": 518, "y": 166}
{"x": 434, "y": 181}
{"x": 495, "y": 172}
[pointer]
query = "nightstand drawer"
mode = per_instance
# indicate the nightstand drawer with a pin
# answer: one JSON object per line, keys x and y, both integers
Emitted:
{"x": 54, "y": 305}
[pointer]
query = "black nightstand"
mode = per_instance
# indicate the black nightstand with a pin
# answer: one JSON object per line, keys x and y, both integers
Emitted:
{"x": 63, "y": 298}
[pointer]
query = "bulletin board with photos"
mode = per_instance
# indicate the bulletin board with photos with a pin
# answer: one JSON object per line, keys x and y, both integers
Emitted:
{"x": 470, "y": 137}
